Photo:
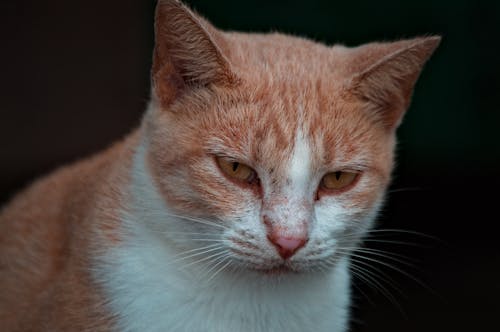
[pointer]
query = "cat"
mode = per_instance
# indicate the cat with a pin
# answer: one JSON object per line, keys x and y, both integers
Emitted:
{"x": 258, "y": 167}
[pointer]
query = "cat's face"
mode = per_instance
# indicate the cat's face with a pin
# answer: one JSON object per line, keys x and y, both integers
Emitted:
{"x": 281, "y": 164}
{"x": 291, "y": 136}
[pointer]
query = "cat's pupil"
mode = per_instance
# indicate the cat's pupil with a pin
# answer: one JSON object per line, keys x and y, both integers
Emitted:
{"x": 235, "y": 166}
{"x": 337, "y": 175}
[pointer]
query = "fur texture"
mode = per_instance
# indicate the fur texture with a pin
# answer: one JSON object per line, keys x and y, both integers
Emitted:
{"x": 151, "y": 235}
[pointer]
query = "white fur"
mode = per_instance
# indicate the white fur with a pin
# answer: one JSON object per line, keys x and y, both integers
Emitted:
{"x": 149, "y": 291}
{"x": 300, "y": 166}
{"x": 291, "y": 208}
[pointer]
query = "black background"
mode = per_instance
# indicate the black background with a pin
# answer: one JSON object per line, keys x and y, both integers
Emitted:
{"x": 75, "y": 77}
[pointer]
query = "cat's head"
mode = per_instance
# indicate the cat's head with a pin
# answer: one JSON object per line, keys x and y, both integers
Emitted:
{"x": 275, "y": 150}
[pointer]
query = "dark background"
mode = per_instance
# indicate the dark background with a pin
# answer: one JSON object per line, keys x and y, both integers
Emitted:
{"x": 74, "y": 77}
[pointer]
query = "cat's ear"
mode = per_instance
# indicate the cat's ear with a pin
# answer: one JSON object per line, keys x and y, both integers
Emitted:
{"x": 384, "y": 74}
{"x": 186, "y": 54}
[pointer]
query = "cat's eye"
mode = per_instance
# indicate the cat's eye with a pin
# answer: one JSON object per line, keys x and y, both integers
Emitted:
{"x": 236, "y": 170}
{"x": 338, "y": 180}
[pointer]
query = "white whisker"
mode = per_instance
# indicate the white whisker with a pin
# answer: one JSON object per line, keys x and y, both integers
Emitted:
{"x": 380, "y": 253}
{"x": 205, "y": 258}
{"x": 213, "y": 247}
{"x": 194, "y": 250}
{"x": 198, "y": 220}
{"x": 219, "y": 270}
{"x": 381, "y": 275}
{"x": 208, "y": 240}
{"x": 397, "y": 270}
{"x": 191, "y": 233}
{"x": 216, "y": 262}
{"x": 371, "y": 279}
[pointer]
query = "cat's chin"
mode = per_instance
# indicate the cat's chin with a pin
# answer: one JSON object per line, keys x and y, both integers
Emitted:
{"x": 277, "y": 271}
{"x": 280, "y": 270}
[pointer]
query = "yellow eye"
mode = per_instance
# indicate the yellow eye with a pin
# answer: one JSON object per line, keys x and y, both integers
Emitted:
{"x": 236, "y": 170}
{"x": 338, "y": 180}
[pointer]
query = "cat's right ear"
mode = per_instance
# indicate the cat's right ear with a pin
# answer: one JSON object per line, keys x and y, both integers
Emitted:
{"x": 186, "y": 54}
{"x": 384, "y": 75}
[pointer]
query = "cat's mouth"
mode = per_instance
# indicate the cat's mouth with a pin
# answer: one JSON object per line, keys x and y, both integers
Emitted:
{"x": 277, "y": 270}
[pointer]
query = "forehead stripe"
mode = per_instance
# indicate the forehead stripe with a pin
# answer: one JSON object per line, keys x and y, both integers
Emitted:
{"x": 300, "y": 163}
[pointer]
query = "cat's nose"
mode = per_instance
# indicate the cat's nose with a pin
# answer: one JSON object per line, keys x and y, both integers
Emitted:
{"x": 287, "y": 246}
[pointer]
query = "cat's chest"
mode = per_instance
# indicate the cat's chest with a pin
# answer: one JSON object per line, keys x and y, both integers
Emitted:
{"x": 147, "y": 295}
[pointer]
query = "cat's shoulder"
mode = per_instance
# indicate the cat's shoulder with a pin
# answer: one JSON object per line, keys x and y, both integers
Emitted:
{"x": 45, "y": 232}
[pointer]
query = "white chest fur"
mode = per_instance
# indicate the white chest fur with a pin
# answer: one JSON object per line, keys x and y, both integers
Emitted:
{"x": 147, "y": 295}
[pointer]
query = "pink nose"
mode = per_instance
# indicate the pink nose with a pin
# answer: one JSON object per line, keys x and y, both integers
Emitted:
{"x": 287, "y": 246}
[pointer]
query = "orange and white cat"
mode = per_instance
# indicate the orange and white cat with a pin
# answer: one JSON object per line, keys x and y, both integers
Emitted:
{"x": 258, "y": 167}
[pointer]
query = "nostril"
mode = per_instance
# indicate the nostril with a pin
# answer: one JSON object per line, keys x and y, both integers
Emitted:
{"x": 287, "y": 246}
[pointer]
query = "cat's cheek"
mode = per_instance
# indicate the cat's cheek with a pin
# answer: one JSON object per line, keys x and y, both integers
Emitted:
{"x": 330, "y": 217}
{"x": 367, "y": 195}
{"x": 193, "y": 184}
{"x": 225, "y": 199}
{"x": 337, "y": 213}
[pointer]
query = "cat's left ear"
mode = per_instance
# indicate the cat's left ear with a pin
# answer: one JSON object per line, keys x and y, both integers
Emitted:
{"x": 187, "y": 53}
{"x": 384, "y": 74}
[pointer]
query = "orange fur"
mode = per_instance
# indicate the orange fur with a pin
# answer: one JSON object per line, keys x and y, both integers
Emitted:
{"x": 215, "y": 93}
{"x": 47, "y": 238}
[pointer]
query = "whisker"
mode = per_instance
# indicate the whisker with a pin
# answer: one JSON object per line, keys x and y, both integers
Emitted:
{"x": 208, "y": 240}
{"x": 198, "y": 220}
{"x": 397, "y": 190}
{"x": 218, "y": 261}
{"x": 360, "y": 289}
{"x": 404, "y": 243}
{"x": 213, "y": 247}
{"x": 194, "y": 250}
{"x": 370, "y": 238}
{"x": 390, "y": 231}
{"x": 219, "y": 270}
{"x": 425, "y": 286}
{"x": 381, "y": 275}
{"x": 370, "y": 278}
{"x": 191, "y": 233}
{"x": 380, "y": 253}
{"x": 204, "y": 258}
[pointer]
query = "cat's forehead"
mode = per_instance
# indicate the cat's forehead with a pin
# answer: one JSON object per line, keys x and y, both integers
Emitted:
{"x": 283, "y": 56}
{"x": 292, "y": 84}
